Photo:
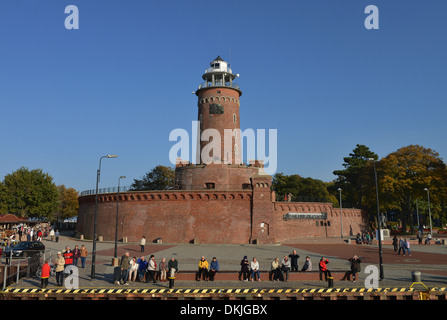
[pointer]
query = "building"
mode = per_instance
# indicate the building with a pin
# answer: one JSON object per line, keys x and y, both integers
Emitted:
{"x": 218, "y": 199}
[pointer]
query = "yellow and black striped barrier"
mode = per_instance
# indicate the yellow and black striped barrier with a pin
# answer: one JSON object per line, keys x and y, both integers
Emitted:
{"x": 183, "y": 291}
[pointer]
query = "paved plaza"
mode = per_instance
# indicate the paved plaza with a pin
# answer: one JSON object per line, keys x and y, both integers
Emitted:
{"x": 430, "y": 260}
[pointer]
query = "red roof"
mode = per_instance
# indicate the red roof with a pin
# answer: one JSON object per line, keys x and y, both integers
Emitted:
{"x": 11, "y": 218}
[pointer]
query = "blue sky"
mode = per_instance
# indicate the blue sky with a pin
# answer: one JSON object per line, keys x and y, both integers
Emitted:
{"x": 122, "y": 81}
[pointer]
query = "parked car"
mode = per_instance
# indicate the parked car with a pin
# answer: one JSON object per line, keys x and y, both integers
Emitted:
{"x": 24, "y": 249}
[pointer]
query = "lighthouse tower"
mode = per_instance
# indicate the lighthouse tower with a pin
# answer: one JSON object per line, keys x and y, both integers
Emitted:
{"x": 218, "y": 114}
{"x": 220, "y": 166}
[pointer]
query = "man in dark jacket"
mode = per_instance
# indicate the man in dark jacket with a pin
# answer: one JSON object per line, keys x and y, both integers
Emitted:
{"x": 355, "y": 267}
{"x": 172, "y": 267}
{"x": 294, "y": 260}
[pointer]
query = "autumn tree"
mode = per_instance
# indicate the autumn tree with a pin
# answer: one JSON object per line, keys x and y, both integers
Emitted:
{"x": 159, "y": 178}
{"x": 404, "y": 174}
{"x": 67, "y": 203}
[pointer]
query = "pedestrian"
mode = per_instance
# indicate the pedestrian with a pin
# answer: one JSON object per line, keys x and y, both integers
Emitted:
{"x": 68, "y": 256}
{"x": 276, "y": 270}
{"x": 395, "y": 243}
{"x": 142, "y": 243}
{"x": 203, "y": 269}
{"x": 407, "y": 247}
{"x": 401, "y": 246}
{"x": 419, "y": 236}
{"x": 355, "y": 267}
{"x": 294, "y": 260}
{"x": 84, "y": 255}
{"x": 52, "y": 235}
{"x": 245, "y": 272}
{"x": 163, "y": 268}
{"x": 56, "y": 235}
{"x": 214, "y": 268}
{"x": 323, "y": 268}
{"x": 427, "y": 241}
{"x": 76, "y": 255}
{"x": 46, "y": 270}
{"x": 254, "y": 265}
{"x": 142, "y": 266}
{"x": 133, "y": 269}
{"x": 285, "y": 267}
{"x": 172, "y": 267}
{"x": 124, "y": 269}
{"x": 60, "y": 266}
{"x": 151, "y": 269}
{"x": 307, "y": 265}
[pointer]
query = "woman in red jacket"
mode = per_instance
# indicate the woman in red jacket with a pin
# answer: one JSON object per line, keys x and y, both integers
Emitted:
{"x": 46, "y": 269}
{"x": 323, "y": 268}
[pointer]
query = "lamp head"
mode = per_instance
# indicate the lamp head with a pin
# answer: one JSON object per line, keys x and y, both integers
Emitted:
{"x": 111, "y": 156}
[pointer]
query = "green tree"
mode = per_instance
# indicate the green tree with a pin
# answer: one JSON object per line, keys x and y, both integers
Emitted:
{"x": 356, "y": 179}
{"x": 159, "y": 178}
{"x": 300, "y": 188}
{"x": 29, "y": 193}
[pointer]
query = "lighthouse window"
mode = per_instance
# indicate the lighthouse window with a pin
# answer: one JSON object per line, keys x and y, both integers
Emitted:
{"x": 216, "y": 65}
{"x": 234, "y": 118}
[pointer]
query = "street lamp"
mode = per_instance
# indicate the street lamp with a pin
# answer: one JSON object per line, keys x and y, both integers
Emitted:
{"x": 429, "y": 212}
{"x": 98, "y": 175}
{"x": 341, "y": 214}
{"x": 379, "y": 235}
{"x": 117, "y": 210}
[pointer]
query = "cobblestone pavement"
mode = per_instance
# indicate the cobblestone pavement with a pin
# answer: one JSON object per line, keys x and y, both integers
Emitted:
{"x": 431, "y": 261}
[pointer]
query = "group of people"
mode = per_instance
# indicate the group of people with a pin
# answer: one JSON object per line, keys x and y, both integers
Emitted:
{"x": 28, "y": 234}
{"x": 63, "y": 260}
{"x": 365, "y": 238}
{"x": 142, "y": 270}
{"x": 401, "y": 245}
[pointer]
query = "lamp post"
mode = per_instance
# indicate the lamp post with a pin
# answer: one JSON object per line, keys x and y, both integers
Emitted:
{"x": 379, "y": 233}
{"x": 429, "y": 212}
{"x": 117, "y": 211}
{"x": 98, "y": 175}
{"x": 341, "y": 213}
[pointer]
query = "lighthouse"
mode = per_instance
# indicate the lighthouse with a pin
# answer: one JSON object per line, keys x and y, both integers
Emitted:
{"x": 218, "y": 115}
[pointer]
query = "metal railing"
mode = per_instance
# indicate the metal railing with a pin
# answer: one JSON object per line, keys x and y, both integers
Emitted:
{"x": 219, "y": 84}
{"x": 23, "y": 267}
{"x": 105, "y": 190}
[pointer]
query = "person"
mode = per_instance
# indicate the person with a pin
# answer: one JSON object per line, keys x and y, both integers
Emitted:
{"x": 427, "y": 241}
{"x": 76, "y": 255}
{"x": 355, "y": 267}
{"x": 245, "y": 272}
{"x": 133, "y": 269}
{"x": 214, "y": 268}
{"x": 401, "y": 246}
{"x": 68, "y": 256}
{"x": 323, "y": 268}
{"x": 419, "y": 236}
{"x": 84, "y": 254}
{"x": 276, "y": 269}
{"x": 307, "y": 265}
{"x": 142, "y": 243}
{"x": 407, "y": 247}
{"x": 151, "y": 268}
{"x": 39, "y": 235}
{"x": 60, "y": 266}
{"x": 254, "y": 265}
{"x": 56, "y": 235}
{"x": 124, "y": 269}
{"x": 294, "y": 260}
{"x": 285, "y": 267}
{"x": 203, "y": 269}
{"x": 46, "y": 269}
{"x": 142, "y": 266}
{"x": 172, "y": 267}
{"x": 52, "y": 235}
{"x": 163, "y": 268}
{"x": 395, "y": 243}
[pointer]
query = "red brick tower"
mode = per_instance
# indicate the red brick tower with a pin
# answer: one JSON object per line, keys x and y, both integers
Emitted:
{"x": 218, "y": 102}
